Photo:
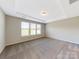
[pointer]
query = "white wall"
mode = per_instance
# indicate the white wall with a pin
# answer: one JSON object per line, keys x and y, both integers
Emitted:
{"x": 2, "y": 30}
{"x": 66, "y": 30}
{"x": 71, "y": 10}
{"x": 13, "y": 31}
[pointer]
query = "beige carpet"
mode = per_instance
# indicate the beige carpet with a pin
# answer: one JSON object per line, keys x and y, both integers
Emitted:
{"x": 43, "y": 48}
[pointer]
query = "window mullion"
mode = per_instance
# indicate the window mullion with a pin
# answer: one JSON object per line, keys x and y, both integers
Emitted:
{"x": 36, "y": 29}
{"x": 29, "y": 29}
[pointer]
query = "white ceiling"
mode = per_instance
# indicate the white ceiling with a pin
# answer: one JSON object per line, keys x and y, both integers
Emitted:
{"x": 30, "y": 9}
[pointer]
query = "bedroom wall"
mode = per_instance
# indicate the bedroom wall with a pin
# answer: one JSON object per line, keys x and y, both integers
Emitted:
{"x": 13, "y": 35}
{"x": 2, "y": 31}
{"x": 66, "y": 30}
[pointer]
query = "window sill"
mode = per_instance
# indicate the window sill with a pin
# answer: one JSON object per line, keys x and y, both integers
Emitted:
{"x": 32, "y": 35}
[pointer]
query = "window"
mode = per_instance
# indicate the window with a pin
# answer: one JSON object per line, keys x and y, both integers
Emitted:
{"x": 38, "y": 28}
{"x": 28, "y": 29}
{"x": 33, "y": 28}
{"x": 24, "y": 28}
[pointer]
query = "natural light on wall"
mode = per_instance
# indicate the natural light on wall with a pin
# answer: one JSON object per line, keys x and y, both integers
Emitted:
{"x": 28, "y": 29}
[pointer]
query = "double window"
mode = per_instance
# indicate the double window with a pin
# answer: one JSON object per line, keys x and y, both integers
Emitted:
{"x": 30, "y": 29}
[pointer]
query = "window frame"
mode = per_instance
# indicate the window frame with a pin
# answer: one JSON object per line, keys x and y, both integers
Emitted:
{"x": 26, "y": 28}
{"x": 32, "y": 28}
{"x": 29, "y": 33}
{"x": 39, "y": 29}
